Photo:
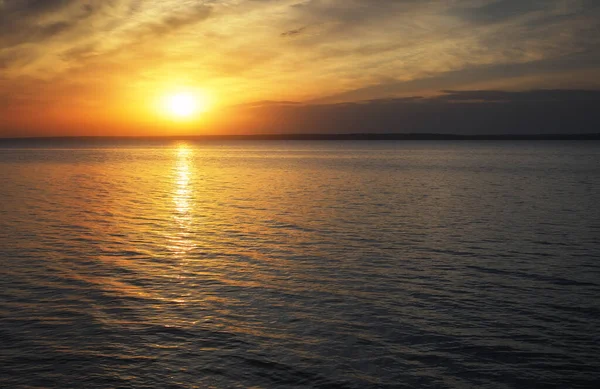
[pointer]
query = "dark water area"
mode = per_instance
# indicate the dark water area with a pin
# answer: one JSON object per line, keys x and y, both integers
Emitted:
{"x": 292, "y": 264}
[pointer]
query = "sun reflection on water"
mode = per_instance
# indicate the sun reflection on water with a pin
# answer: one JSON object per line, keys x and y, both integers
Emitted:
{"x": 181, "y": 242}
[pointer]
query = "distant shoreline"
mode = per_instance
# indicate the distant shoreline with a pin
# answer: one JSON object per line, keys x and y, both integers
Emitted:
{"x": 302, "y": 137}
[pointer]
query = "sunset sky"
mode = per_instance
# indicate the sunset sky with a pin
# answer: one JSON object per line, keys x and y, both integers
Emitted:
{"x": 109, "y": 67}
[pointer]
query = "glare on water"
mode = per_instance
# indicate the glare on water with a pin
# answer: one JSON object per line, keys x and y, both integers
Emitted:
{"x": 181, "y": 243}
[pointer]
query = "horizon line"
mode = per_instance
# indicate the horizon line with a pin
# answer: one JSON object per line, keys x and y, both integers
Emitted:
{"x": 313, "y": 136}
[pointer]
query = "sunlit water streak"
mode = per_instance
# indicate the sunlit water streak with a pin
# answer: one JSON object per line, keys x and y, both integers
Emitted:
{"x": 182, "y": 198}
{"x": 309, "y": 265}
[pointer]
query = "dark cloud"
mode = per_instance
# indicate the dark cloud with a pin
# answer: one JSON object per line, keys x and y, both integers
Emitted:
{"x": 454, "y": 112}
{"x": 34, "y": 34}
{"x": 36, "y": 21}
{"x": 463, "y": 78}
{"x": 266, "y": 103}
{"x": 357, "y": 11}
{"x": 546, "y": 11}
{"x": 24, "y": 8}
{"x": 501, "y": 10}
{"x": 294, "y": 32}
{"x": 541, "y": 96}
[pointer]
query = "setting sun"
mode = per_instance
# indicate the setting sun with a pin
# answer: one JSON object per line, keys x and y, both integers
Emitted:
{"x": 184, "y": 105}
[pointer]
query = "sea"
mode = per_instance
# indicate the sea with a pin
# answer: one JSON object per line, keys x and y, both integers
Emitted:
{"x": 300, "y": 264}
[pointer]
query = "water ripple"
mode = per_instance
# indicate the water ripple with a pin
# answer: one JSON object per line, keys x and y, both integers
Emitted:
{"x": 300, "y": 265}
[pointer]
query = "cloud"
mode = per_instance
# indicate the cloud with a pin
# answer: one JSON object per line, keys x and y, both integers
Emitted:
{"x": 23, "y": 21}
{"x": 176, "y": 21}
{"x": 107, "y": 52}
{"x": 502, "y": 10}
{"x": 266, "y": 103}
{"x": 294, "y": 32}
{"x": 385, "y": 36}
{"x": 452, "y": 112}
{"x": 537, "y": 96}
{"x": 54, "y": 31}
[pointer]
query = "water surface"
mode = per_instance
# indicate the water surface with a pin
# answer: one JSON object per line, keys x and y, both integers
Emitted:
{"x": 300, "y": 265}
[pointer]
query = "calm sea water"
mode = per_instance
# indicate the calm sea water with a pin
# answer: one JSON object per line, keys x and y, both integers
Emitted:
{"x": 300, "y": 265}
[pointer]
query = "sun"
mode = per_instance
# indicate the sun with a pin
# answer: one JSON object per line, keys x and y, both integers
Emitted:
{"x": 184, "y": 105}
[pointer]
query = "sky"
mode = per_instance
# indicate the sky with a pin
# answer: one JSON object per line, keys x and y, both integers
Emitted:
{"x": 105, "y": 67}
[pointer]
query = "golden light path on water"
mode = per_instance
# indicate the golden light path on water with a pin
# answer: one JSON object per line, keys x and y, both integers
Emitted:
{"x": 181, "y": 243}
